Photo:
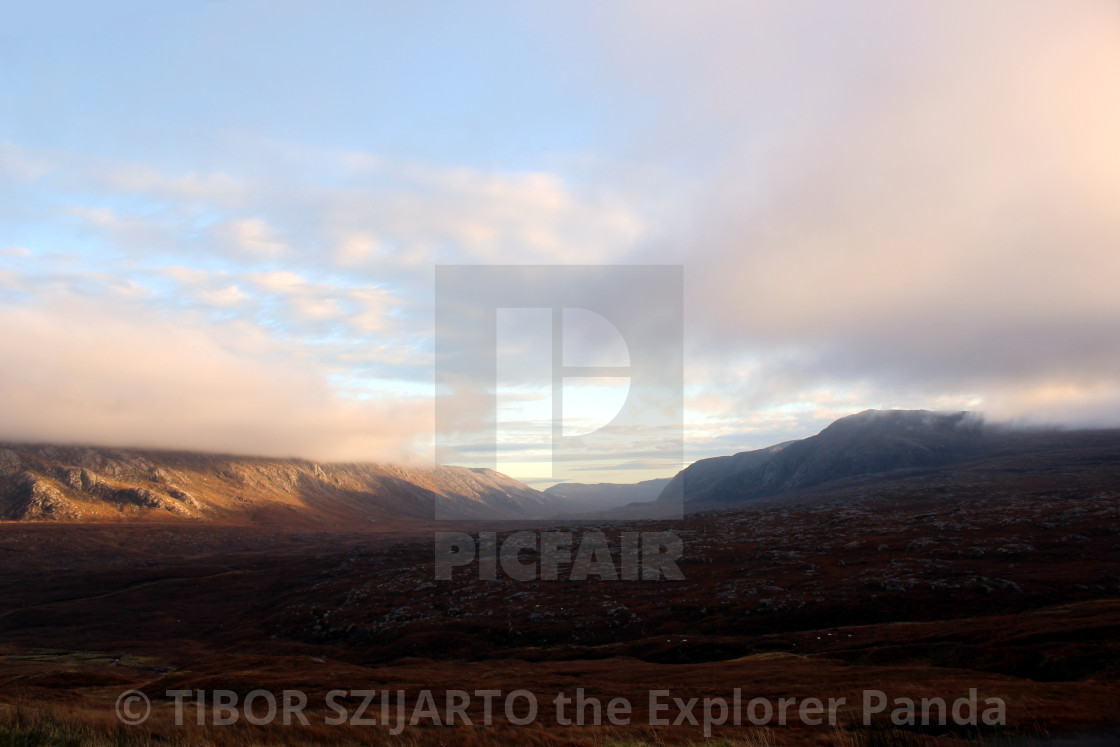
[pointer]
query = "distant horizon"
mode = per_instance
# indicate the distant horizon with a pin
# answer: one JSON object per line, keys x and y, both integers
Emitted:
{"x": 540, "y": 484}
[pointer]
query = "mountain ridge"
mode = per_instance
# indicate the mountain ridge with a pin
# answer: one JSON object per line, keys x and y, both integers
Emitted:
{"x": 83, "y": 483}
{"x": 589, "y": 497}
{"x": 866, "y": 443}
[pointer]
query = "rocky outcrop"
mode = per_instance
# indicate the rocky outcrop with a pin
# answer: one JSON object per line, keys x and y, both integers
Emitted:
{"x": 46, "y": 482}
{"x": 9, "y": 463}
{"x": 30, "y": 496}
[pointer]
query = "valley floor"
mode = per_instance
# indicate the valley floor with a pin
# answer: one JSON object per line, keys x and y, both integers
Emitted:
{"x": 921, "y": 587}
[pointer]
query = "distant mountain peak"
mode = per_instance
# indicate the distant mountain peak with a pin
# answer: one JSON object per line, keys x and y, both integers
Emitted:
{"x": 867, "y": 442}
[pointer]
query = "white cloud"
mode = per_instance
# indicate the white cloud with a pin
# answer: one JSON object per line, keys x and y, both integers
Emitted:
{"x": 355, "y": 247}
{"x": 253, "y": 236}
{"x": 229, "y": 296}
{"x": 87, "y": 371}
{"x": 280, "y": 281}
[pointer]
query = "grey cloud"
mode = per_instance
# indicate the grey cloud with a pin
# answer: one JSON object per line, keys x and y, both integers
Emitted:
{"x": 913, "y": 201}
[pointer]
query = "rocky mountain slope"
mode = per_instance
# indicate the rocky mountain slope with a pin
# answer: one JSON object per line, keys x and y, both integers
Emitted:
{"x": 78, "y": 483}
{"x": 868, "y": 443}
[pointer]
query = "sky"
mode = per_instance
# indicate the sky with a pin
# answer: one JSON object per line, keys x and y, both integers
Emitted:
{"x": 220, "y": 221}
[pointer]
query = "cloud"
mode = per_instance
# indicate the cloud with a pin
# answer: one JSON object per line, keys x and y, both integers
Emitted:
{"x": 916, "y": 202}
{"x": 80, "y": 370}
{"x": 373, "y": 213}
{"x": 229, "y": 296}
{"x": 252, "y": 236}
{"x": 875, "y": 204}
